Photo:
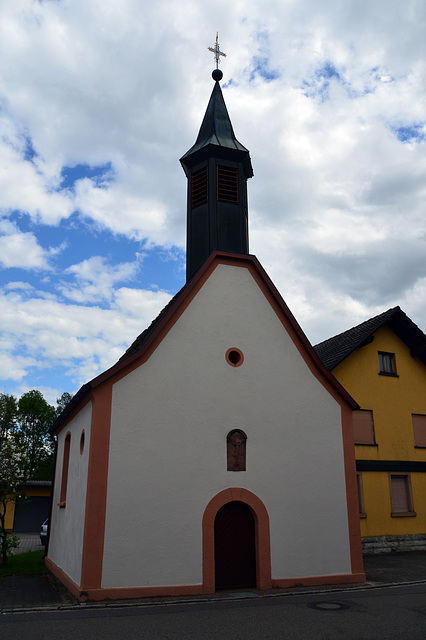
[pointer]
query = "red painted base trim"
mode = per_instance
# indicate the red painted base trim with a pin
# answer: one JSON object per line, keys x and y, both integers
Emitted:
{"x": 128, "y": 593}
{"x": 120, "y": 593}
{"x": 285, "y": 583}
{"x": 62, "y": 577}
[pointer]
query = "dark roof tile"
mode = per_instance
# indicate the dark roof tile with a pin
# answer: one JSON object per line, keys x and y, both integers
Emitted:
{"x": 333, "y": 351}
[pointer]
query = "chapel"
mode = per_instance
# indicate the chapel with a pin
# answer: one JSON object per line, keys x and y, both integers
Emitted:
{"x": 218, "y": 452}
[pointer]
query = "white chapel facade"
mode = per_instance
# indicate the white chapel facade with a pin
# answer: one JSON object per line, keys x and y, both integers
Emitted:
{"x": 218, "y": 452}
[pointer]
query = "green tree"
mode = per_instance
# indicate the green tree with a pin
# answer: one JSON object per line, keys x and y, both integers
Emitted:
{"x": 62, "y": 402}
{"x": 34, "y": 419}
{"x": 8, "y": 411}
{"x": 13, "y": 462}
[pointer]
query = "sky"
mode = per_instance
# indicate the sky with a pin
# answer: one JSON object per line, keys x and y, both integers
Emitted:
{"x": 100, "y": 99}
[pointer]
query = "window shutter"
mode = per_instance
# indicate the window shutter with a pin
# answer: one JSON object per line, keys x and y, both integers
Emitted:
{"x": 419, "y": 427}
{"x": 363, "y": 427}
{"x": 400, "y": 501}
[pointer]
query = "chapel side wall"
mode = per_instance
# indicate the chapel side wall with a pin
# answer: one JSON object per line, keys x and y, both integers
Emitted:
{"x": 170, "y": 418}
{"x": 67, "y": 524}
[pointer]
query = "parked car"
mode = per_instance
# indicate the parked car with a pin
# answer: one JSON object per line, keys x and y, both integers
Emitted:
{"x": 43, "y": 531}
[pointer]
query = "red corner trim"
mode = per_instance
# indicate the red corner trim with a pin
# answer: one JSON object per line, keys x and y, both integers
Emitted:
{"x": 96, "y": 495}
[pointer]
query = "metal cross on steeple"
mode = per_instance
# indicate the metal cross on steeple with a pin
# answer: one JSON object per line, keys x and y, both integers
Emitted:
{"x": 216, "y": 50}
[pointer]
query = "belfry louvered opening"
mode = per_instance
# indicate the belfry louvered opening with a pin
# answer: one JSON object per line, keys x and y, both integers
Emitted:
{"x": 227, "y": 184}
{"x": 199, "y": 187}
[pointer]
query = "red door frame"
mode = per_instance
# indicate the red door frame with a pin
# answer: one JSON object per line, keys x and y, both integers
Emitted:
{"x": 262, "y": 538}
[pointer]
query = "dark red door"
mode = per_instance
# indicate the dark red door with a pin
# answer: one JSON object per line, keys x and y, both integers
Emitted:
{"x": 235, "y": 555}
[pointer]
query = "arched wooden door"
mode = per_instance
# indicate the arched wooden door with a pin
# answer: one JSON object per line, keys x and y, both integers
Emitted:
{"x": 235, "y": 547}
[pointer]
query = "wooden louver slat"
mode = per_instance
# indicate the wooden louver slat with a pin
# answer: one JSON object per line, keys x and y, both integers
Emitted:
{"x": 199, "y": 187}
{"x": 227, "y": 184}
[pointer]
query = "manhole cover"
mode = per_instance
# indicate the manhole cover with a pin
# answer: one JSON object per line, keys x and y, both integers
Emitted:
{"x": 328, "y": 606}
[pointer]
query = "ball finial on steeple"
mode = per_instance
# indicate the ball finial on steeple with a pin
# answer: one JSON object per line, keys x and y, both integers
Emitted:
{"x": 217, "y": 75}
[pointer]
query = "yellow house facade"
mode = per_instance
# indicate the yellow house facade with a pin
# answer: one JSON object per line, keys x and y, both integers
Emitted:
{"x": 28, "y": 515}
{"x": 382, "y": 364}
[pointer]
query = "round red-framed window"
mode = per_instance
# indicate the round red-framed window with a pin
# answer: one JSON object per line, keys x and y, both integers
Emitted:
{"x": 234, "y": 357}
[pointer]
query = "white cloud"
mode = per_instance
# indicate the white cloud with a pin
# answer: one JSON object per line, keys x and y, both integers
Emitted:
{"x": 22, "y": 250}
{"x": 14, "y": 367}
{"x": 95, "y": 279}
{"x": 85, "y": 340}
{"x": 120, "y": 211}
{"x": 329, "y": 101}
{"x": 18, "y": 285}
{"x": 26, "y": 183}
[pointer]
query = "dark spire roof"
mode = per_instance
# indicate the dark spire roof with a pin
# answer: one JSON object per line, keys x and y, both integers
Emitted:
{"x": 333, "y": 351}
{"x": 216, "y": 129}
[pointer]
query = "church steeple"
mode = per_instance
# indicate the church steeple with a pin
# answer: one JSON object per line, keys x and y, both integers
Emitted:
{"x": 217, "y": 167}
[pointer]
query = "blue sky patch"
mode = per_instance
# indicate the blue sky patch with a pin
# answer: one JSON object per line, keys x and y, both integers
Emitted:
{"x": 260, "y": 62}
{"x": 230, "y": 82}
{"x": 410, "y": 132}
{"x": 261, "y": 68}
{"x": 30, "y": 152}
{"x": 318, "y": 86}
{"x": 77, "y": 240}
{"x": 100, "y": 174}
{"x": 328, "y": 71}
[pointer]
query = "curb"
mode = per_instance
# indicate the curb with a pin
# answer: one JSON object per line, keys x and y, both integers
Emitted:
{"x": 229, "y": 597}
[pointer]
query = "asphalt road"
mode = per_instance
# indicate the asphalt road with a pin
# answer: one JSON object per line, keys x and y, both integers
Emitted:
{"x": 368, "y": 614}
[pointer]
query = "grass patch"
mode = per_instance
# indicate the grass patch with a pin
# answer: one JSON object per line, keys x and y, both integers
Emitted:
{"x": 24, "y": 563}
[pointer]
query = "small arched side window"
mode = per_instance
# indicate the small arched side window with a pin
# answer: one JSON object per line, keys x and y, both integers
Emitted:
{"x": 65, "y": 465}
{"x": 236, "y": 450}
{"x": 82, "y": 439}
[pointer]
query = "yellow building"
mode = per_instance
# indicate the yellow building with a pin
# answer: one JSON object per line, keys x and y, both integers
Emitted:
{"x": 28, "y": 515}
{"x": 382, "y": 364}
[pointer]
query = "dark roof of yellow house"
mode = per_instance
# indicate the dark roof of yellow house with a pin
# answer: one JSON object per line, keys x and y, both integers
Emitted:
{"x": 333, "y": 351}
